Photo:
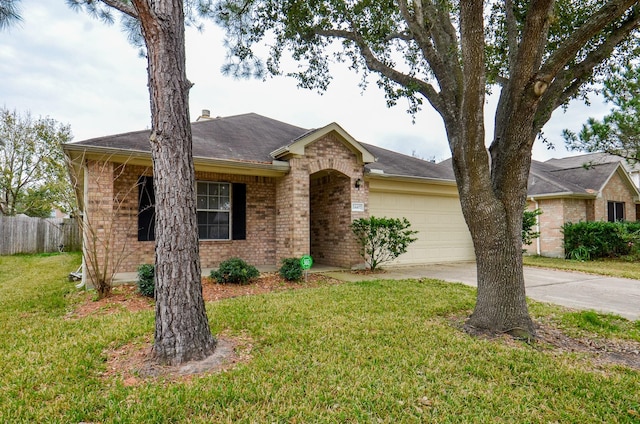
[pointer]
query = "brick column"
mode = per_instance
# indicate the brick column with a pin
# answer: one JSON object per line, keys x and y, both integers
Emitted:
{"x": 292, "y": 213}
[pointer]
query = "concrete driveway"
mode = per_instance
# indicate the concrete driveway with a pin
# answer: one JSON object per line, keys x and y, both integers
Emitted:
{"x": 573, "y": 289}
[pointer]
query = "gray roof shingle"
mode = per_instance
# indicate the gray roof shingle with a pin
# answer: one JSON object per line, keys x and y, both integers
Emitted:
{"x": 251, "y": 138}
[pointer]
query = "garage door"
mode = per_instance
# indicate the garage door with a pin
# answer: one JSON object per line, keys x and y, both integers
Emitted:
{"x": 442, "y": 233}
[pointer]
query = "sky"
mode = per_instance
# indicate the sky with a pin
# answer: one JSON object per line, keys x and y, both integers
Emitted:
{"x": 79, "y": 71}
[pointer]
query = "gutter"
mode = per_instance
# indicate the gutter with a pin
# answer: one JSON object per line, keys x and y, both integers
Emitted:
{"x": 380, "y": 174}
{"x": 275, "y": 167}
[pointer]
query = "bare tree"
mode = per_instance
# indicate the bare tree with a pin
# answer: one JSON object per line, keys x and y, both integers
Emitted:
{"x": 103, "y": 248}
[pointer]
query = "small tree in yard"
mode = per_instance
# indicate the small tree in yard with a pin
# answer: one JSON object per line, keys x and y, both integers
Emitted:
{"x": 382, "y": 240}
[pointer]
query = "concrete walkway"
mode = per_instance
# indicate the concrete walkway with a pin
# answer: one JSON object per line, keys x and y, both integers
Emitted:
{"x": 573, "y": 289}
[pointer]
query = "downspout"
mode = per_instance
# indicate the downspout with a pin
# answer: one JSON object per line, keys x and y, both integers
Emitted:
{"x": 83, "y": 213}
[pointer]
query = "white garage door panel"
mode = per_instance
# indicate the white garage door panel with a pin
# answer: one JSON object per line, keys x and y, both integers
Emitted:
{"x": 442, "y": 233}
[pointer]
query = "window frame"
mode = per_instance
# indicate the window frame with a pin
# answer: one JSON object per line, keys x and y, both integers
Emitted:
{"x": 613, "y": 209}
{"x": 228, "y": 211}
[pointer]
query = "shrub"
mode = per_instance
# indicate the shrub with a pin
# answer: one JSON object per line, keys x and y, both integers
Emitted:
{"x": 592, "y": 240}
{"x": 382, "y": 239}
{"x": 291, "y": 270}
{"x": 146, "y": 280}
{"x": 235, "y": 271}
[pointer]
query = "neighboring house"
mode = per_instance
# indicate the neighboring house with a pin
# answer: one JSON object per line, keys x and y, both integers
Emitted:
{"x": 267, "y": 190}
{"x": 590, "y": 159}
{"x": 593, "y": 187}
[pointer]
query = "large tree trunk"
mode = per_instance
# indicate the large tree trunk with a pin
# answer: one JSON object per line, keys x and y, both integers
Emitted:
{"x": 182, "y": 330}
{"x": 492, "y": 188}
{"x": 501, "y": 302}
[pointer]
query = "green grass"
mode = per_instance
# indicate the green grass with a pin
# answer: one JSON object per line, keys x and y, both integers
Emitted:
{"x": 611, "y": 267}
{"x": 381, "y": 351}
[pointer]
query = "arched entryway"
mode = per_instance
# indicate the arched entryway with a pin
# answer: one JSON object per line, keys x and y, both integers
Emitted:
{"x": 331, "y": 242}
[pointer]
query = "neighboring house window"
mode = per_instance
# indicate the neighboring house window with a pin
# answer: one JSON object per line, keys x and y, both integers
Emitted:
{"x": 214, "y": 210}
{"x": 146, "y": 210}
{"x": 615, "y": 211}
{"x": 221, "y": 209}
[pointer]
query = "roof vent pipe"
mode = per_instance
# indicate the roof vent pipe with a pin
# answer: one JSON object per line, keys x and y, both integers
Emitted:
{"x": 206, "y": 115}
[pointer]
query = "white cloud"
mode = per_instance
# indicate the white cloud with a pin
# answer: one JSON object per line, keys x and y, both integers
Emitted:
{"x": 82, "y": 72}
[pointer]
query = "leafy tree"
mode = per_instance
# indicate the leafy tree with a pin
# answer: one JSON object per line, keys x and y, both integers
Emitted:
{"x": 619, "y": 132}
{"x": 382, "y": 240}
{"x": 9, "y": 13}
{"x": 537, "y": 54}
{"x": 182, "y": 331}
{"x": 33, "y": 176}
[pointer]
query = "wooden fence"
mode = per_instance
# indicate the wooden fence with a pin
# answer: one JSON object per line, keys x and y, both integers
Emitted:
{"x": 38, "y": 235}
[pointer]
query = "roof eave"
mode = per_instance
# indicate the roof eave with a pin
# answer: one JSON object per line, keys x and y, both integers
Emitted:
{"x": 565, "y": 194}
{"x": 297, "y": 147}
{"x": 411, "y": 178}
{"x": 136, "y": 157}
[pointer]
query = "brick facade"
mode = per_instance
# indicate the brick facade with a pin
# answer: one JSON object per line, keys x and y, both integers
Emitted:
{"x": 558, "y": 211}
{"x": 307, "y": 211}
{"x": 314, "y": 204}
{"x": 616, "y": 190}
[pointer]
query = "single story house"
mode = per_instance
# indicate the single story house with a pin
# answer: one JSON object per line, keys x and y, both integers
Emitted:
{"x": 268, "y": 190}
{"x": 592, "y": 187}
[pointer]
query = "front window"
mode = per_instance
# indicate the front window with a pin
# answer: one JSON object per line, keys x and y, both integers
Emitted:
{"x": 214, "y": 206}
{"x": 615, "y": 211}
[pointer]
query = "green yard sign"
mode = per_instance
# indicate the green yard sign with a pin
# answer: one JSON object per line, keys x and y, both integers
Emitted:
{"x": 306, "y": 261}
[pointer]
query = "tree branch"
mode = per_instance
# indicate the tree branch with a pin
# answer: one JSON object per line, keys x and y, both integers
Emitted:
{"x": 580, "y": 37}
{"x": 376, "y": 65}
{"x": 121, "y": 6}
{"x": 569, "y": 81}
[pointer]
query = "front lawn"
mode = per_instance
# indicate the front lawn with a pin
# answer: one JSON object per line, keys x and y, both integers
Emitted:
{"x": 380, "y": 352}
{"x": 610, "y": 267}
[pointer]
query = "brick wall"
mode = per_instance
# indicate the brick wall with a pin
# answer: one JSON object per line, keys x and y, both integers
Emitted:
{"x": 279, "y": 218}
{"x": 616, "y": 190}
{"x": 330, "y": 218}
{"x": 324, "y": 231}
{"x": 127, "y": 253}
{"x": 559, "y": 211}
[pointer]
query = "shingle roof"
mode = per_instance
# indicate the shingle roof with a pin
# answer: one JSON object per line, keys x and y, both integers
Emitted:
{"x": 393, "y": 163}
{"x": 545, "y": 179}
{"x": 548, "y": 179}
{"x": 251, "y": 138}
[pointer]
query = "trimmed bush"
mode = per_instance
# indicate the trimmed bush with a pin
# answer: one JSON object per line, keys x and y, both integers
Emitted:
{"x": 600, "y": 239}
{"x": 234, "y": 271}
{"x": 146, "y": 280}
{"x": 291, "y": 270}
{"x": 382, "y": 240}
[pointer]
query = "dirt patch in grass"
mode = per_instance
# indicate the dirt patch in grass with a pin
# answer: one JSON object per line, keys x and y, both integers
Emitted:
{"x": 134, "y": 363}
{"x": 550, "y": 338}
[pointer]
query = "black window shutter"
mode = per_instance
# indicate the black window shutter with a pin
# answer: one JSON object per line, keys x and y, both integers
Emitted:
{"x": 611, "y": 212}
{"x": 146, "y": 210}
{"x": 239, "y": 212}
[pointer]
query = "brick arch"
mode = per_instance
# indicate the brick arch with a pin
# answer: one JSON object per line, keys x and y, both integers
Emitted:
{"x": 343, "y": 166}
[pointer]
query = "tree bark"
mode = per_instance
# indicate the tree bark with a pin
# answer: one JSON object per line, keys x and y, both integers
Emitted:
{"x": 182, "y": 331}
{"x": 492, "y": 187}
